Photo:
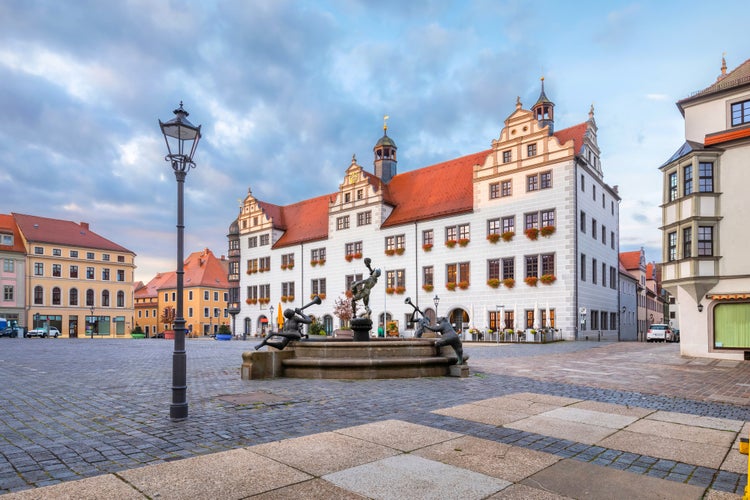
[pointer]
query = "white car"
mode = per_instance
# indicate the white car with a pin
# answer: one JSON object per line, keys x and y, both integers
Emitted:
{"x": 659, "y": 333}
{"x": 41, "y": 332}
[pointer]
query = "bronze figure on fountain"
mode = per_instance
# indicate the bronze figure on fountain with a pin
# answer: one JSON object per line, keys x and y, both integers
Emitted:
{"x": 362, "y": 324}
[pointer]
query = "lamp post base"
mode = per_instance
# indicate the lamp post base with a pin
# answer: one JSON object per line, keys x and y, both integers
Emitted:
{"x": 178, "y": 412}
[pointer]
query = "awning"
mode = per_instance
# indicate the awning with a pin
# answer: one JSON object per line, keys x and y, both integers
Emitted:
{"x": 728, "y": 296}
{"x": 264, "y": 320}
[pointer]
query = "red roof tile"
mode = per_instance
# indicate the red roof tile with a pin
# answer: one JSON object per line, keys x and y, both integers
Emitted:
{"x": 631, "y": 260}
{"x": 8, "y": 226}
{"x": 305, "y": 221}
{"x": 726, "y": 136}
{"x": 576, "y": 133}
{"x": 737, "y": 77}
{"x": 63, "y": 232}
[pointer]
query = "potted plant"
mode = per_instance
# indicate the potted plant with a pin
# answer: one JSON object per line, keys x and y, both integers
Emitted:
{"x": 463, "y": 285}
{"x": 390, "y": 251}
{"x": 548, "y": 279}
{"x": 428, "y": 288}
{"x": 450, "y": 286}
{"x": 493, "y": 282}
{"x": 342, "y": 309}
{"x": 322, "y": 262}
{"x": 532, "y": 233}
{"x": 313, "y": 262}
{"x": 547, "y": 231}
{"x": 463, "y": 241}
{"x": 427, "y": 247}
{"x": 493, "y": 237}
{"x": 450, "y": 243}
{"x": 531, "y": 280}
{"x": 400, "y": 290}
{"x": 137, "y": 333}
{"x": 390, "y": 290}
{"x": 509, "y": 282}
{"x": 224, "y": 333}
{"x": 508, "y": 235}
{"x": 357, "y": 255}
{"x": 349, "y": 257}
{"x": 167, "y": 317}
{"x": 400, "y": 251}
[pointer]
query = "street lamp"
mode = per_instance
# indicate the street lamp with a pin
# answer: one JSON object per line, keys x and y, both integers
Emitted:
{"x": 182, "y": 138}
{"x": 270, "y": 323}
{"x": 436, "y": 301}
{"x": 92, "y": 322}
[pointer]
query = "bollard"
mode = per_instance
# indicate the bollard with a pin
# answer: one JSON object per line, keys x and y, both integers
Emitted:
{"x": 744, "y": 451}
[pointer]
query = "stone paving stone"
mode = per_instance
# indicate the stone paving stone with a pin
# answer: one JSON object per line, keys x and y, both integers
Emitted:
{"x": 402, "y": 436}
{"x": 591, "y": 417}
{"x": 92, "y": 488}
{"x": 523, "y": 492}
{"x": 682, "y": 432}
{"x": 316, "y": 489}
{"x": 564, "y": 429}
{"x": 630, "y": 411}
{"x": 722, "y": 424}
{"x": 514, "y": 404}
{"x": 481, "y": 413}
{"x": 413, "y": 477}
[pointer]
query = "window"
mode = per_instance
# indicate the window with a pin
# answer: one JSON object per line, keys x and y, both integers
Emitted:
{"x": 252, "y": 242}
{"x": 582, "y": 266}
{"x": 7, "y": 240}
{"x": 428, "y": 237}
{"x": 740, "y": 113}
{"x": 9, "y": 266}
{"x": 593, "y": 271}
{"x": 705, "y": 241}
{"x": 287, "y": 289}
{"x": 395, "y": 279}
{"x": 687, "y": 180}
{"x": 545, "y": 180}
{"x": 56, "y": 252}
{"x": 548, "y": 264}
{"x": 603, "y": 197}
{"x": 593, "y": 228}
{"x": 506, "y": 188}
{"x": 612, "y": 278}
{"x": 364, "y": 218}
{"x": 90, "y": 255}
{"x": 38, "y": 251}
{"x": 216, "y": 296}
{"x": 604, "y": 234}
{"x": 583, "y": 184}
{"x": 531, "y": 220}
{"x": 190, "y": 295}
{"x": 56, "y": 270}
{"x": 105, "y": 298}
{"x": 120, "y": 275}
{"x": 494, "y": 190}
{"x": 73, "y": 271}
{"x": 205, "y": 312}
{"x": 360, "y": 194}
{"x": 353, "y": 248}
{"x": 73, "y": 297}
{"x": 190, "y": 312}
{"x": 105, "y": 256}
{"x": 74, "y": 254}
{"x": 532, "y": 182}
{"x": 252, "y": 292}
{"x": 583, "y": 221}
{"x": 287, "y": 261}
{"x": 493, "y": 269}
{"x": 8, "y": 293}
{"x": 548, "y": 217}
{"x": 687, "y": 242}
{"x": 105, "y": 274}
{"x": 318, "y": 255}
{"x": 673, "y": 186}
{"x": 38, "y": 295}
{"x": 593, "y": 192}
{"x": 342, "y": 222}
{"x": 264, "y": 291}
{"x": 350, "y": 279}
{"x": 612, "y": 239}
{"x": 509, "y": 224}
{"x": 532, "y": 266}
{"x": 493, "y": 226}
{"x": 464, "y": 232}
{"x": 507, "y": 157}
{"x": 38, "y": 269}
{"x": 264, "y": 239}
{"x": 458, "y": 273}
{"x": 206, "y": 295}
{"x": 394, "y": 243}
{"x": 604, "y": 274}
{"x": 672, "y": 246}
{"x": 706, "y": 177}
{"x": 509, "y": 268}
{"x": 451, "y": 234}
{"x": 347, "y": 197}
{"x": 318, "y": 286}
{"x": 252, "y": 266}
{"x": 531, "y": 150}
{"x": 594, "y": 320}
{"x": 264, "y": 264}
{"x": 428, "y": 276}
{"x": 120, "y": 299}
{"x": 89, "y": 297}
{"x": 90, "y": 273}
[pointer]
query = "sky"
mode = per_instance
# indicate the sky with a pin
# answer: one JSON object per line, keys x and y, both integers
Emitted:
{"x": 287, "y": 91}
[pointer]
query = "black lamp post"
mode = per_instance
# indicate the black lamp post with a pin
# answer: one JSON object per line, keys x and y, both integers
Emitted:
{"x": 436, "y": 301}
{"x": 182, "y": 139}
{"x": 93, "y": 322}
{"x": 270, "y": 323}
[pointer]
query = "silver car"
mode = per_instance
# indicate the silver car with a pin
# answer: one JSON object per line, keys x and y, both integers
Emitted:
{"x": 41, "y": 332}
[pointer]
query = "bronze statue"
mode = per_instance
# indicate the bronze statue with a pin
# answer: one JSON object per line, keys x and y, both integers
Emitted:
{"x": 292, "y": 329}
{"x": 448, "y": 336}
{"x": 361, "y": 290}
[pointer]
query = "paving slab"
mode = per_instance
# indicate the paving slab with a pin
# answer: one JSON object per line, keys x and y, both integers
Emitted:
{"x": 722, "y": 424}
{"x": 92, "y": 488}
{"x": 523, "y": 492}
{"x": 563, "y": 429}
{"x": 509, "y": 403}
{"x": 323, "y": 453}
{"x": 736, "y": 461}
{"x": 583, "y": 481}
{"x": 405, "y": 477}
{"x": 315, "y": 489}
{"x": 402, "y": 436}
{"x": 590, "y": 417}
{"x": 544, "y": 398}
{"x": 230, "y": 474}
{"x": 490, "y": 458}
{"x": 684, "y": 432}
{"x": 482, "y": 414}
{"x": 631, "y": 411}
{"x": 688, "y": 452}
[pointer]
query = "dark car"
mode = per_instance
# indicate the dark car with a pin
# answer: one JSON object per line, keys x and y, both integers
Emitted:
{"x": 12, "y": 331}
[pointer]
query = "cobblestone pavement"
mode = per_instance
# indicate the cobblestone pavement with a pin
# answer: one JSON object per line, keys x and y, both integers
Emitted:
{"x": 74, "y": 408}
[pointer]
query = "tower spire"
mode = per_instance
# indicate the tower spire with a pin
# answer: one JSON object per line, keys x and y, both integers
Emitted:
{"x": 544, "y": 111}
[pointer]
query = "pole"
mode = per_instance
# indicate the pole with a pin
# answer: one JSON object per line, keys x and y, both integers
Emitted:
{"x": 179, "y": 408}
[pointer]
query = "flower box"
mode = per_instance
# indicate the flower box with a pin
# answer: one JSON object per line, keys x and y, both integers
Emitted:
{"x": 349, "y": 257}
{"x": 463, "y": 242}
{"x": 463, "y": 285}
{"x": 251, "y": 301}
{"x": 390, "y": 290}
{"x": 547, "y": 231}
{"x": 509, "y": 282}
{"x": 400, "y": 290}
{"x": 493, "y": 282}
{"x": 358, "y": 255}
{"x": 321, "y": 295}
{"x": 548, "y": 279}
{"x": 283, "y": 298}
{"x": 283, "y": 266}
{"x": 400, "y": 251}
{"x": 450, "y": 243}
{"x": 428, "y": 288}
{"x": 427, "y": 247}
{"x": 532, "y": 233}
{"x": 290, "y": 266}
{"x": 493, "y": 238}
{"x": 531, "y": 280}
{"x": 390, "y": 251}
{"x": 313, "y": 263}
{"x": 508, "y": 235}
{"x": 450, "y": 286}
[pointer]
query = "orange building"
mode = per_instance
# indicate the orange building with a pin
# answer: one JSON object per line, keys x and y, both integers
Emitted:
{"x": 206, "y": 290}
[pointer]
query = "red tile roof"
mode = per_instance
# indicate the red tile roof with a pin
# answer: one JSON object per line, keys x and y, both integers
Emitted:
{"x": 8, "y": 226}
{"x": 62, "y": 232}
{"x": 576, "y": 133}
{"x": 304, "y": 221}
{"x": 202, "y": 269}
{"x": 631, "y": 260}
{"x": 726, "y": 136}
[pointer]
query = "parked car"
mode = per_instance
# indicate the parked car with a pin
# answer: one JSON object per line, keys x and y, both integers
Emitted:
{"x": 659, "y": 332}
{"x": 41, "y": 332}
{"x": 12, "y": 331}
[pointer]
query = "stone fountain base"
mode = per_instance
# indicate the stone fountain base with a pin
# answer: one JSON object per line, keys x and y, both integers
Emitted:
{"x": 330, "y": 358}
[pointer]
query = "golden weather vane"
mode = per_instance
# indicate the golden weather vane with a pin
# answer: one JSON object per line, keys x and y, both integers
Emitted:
{"x": 385, "y": 122}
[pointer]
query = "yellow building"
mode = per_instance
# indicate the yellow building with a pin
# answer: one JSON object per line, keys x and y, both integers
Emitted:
{"x": 206, "y": 290}
{"x": 77, "y": 281}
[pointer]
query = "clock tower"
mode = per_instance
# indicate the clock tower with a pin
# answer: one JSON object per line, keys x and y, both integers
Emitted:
{"x": 385, "y": 156}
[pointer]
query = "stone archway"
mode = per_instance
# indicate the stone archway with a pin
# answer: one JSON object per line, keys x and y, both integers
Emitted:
{"x": 459, "y": 318}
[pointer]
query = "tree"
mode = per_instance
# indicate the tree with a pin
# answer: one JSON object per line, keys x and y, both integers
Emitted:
{"x": 342, "y": 309}
{"x": 167, "y": 316}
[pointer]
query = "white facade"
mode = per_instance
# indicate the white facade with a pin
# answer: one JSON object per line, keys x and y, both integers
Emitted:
{"x": 553, "y": 180}
{"x": 704, "y": 228}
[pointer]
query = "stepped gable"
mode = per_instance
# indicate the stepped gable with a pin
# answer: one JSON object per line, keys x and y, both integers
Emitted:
{"x": 63, "y": 232}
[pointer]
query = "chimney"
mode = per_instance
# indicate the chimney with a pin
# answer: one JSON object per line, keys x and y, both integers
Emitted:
{"x": 85, "y": 225}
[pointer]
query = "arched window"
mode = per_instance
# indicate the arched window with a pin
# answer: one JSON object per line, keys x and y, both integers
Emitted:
{"x": 105, "y": 298}
{"x": 56, "y": 296}
{"x": 121, "y": 299}
{"x": 38, "y": 295}
{"x": 89, "y": 297}
{"x": 73, "y": 297}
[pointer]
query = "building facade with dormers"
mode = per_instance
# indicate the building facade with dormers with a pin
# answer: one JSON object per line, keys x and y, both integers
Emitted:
{"x": 704, "y": 230}
{"x": 522, "y": 235}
